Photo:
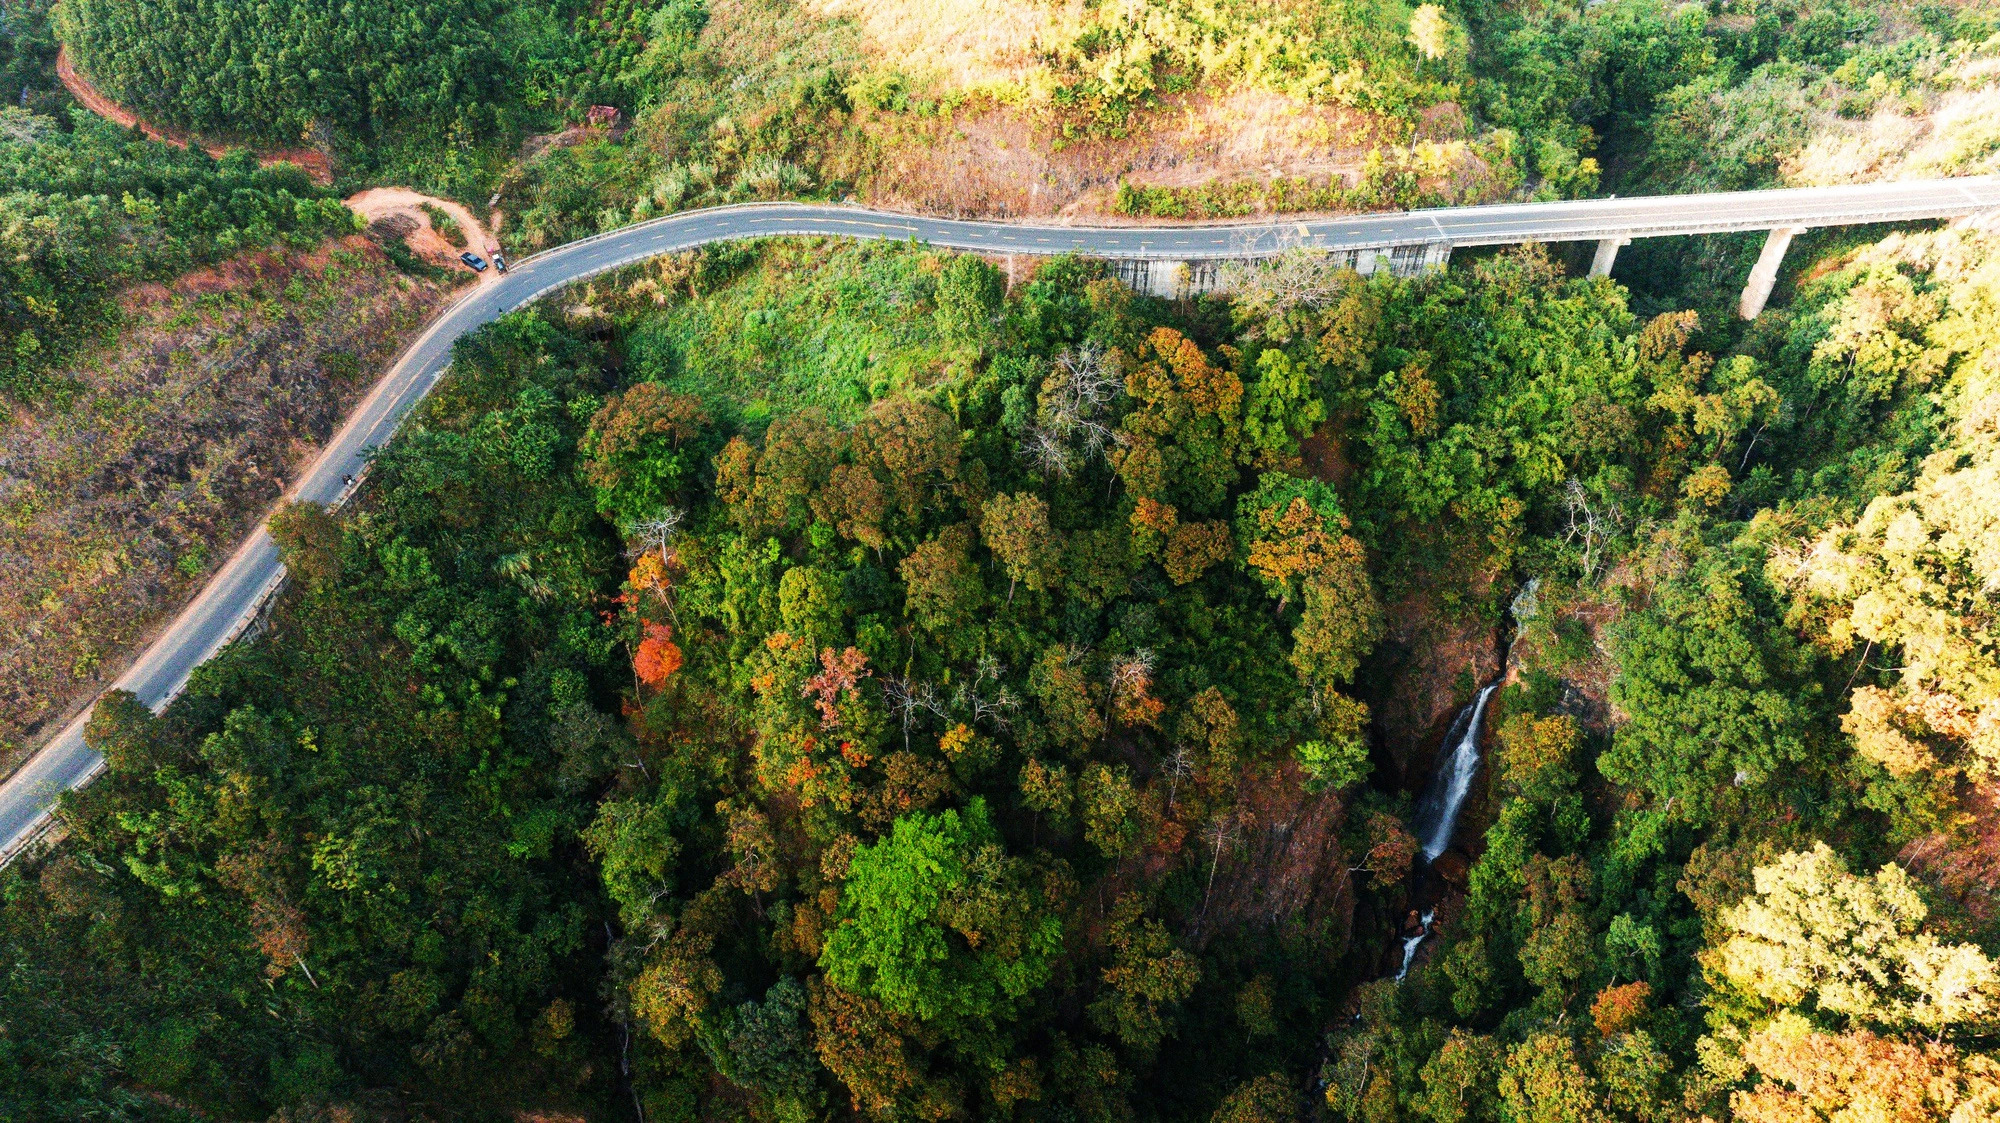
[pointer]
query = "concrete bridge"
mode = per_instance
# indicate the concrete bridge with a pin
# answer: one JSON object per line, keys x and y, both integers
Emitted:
{"x": 1410, "y": 241}
{"x": 1168, "y": 260}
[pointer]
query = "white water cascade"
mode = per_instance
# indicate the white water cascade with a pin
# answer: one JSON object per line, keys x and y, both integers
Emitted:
{"x": 1458, "y": 763}
{"x": 1410, "y": 944}
{"x": 1437, "y": 814}
{"x": 1458, "y": 756}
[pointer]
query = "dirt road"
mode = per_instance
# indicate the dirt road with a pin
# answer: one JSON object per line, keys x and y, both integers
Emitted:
{"x": 315, "y": 164}
{"x": 372, "y": 204}
{"x": 382, "y": 202}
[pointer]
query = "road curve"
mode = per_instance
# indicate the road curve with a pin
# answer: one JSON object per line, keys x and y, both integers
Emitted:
{"x": 232, "y": 597}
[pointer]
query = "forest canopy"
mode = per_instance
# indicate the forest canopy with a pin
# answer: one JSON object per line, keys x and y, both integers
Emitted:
{"x": 805, "y": 681}
{"x": 87, "y": 209}
{"x": 285, "y": 71}
{"x": 811, "y": 679}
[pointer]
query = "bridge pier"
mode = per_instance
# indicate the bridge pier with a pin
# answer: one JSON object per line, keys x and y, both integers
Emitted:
{"x": 1164, "y": 279}
{"x": 1607, "y": 253}
{"x": 1764, "y": 275}
{"x": 1402, "y": 261}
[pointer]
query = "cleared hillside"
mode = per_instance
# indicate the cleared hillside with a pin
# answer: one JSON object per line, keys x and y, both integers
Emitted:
{"x": 167, "y": 441}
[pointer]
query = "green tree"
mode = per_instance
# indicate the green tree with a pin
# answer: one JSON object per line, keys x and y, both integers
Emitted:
{"x": 770, "y": 1046}
{"x": 126, "y": 734}
{"x": 644, "y": 446}
{"x": 1108, "y": 806}
{"x": 1147, "y": 978}
{"x": 1716, "y": 696}
{"x": 1184, "y": 432}
{"x": 1291, "y": 529}
{"x": 910, "y": 931}
{"x": 1267, "y": 1099}
{"x": 968, "y": 297}
{"x": 1016, "y": 529}
{"x": 1633, "y": 1071}
{"x": 634, "y": 844}
{"x": 1280, "y": 406}
{"x": 1905, "y": 577}
{"x": 1470, "y": 971}
{"x": 1335, "y": 764}
{"x": 281, "y": 70}
{"x": 1069, "y": 699}
{"x": 1543, "y": 1081}
{"x": 1341, "y": 622}
{"x": 942, "y": 589}
{"x": 1460, "y": 1079}
{"x": 1534, "y": 755}
{"x": 1256, "y": 1008}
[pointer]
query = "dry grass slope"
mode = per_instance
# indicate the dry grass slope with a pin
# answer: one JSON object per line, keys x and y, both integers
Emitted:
{"x": 972, "y": 108}
{"x": 119, "y": 498}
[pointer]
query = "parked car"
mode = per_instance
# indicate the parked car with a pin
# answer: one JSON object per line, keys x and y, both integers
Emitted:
{"x": 499, "y": 262}
{"x": 476, "y": 262}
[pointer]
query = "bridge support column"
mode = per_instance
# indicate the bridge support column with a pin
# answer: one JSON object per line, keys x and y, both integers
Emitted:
{"x": 1165, "y": 279}
{"x": 1607, "y": 253}
{"x": 1764, "y": 275}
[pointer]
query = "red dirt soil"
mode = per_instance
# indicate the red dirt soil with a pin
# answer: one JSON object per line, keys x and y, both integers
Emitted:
{"x": 315, "y": 164}
{"x": 381, "y": 202}
{"x": 371, "y": 204}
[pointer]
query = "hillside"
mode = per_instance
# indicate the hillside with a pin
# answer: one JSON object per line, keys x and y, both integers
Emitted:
{"x": 1175, "y": 111}
{"x": 179, "y": 326}
{"x": 166, "y": 442}
{"x": 809, "y": 681}
{"x": 981, "y": 719}
{"x": 1149, "y": 108}
{"x": 88, "y": 210}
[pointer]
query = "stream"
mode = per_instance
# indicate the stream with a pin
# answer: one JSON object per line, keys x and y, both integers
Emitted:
{"x": 1410, "y": 944}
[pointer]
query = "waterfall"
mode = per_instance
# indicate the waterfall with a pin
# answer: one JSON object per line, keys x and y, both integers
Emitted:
{"x": 1437, "y": 815}
{"x": 1458, "y": 756}
{"x": 1458, "y": 761}
{"x": 1410, "y": 944}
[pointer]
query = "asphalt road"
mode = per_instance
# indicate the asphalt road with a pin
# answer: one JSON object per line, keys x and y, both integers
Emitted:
{"x": 232, "y": 597}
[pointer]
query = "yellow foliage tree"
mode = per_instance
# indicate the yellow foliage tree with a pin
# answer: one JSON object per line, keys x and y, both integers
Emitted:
{"x": 1817, "y": 937}
{"x": 1815, "y": 1077}
{"x": 1919, "y": 572}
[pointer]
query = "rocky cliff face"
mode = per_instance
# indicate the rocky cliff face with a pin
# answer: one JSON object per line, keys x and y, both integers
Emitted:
{"x": 1426, "y": 668}
{"x": 1282, "y": 871}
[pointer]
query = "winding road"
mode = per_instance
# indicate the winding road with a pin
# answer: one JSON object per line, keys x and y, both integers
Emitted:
{"x": 232, "y": 599}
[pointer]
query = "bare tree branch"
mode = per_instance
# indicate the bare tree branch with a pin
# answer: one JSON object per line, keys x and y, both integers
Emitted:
{"x": 655, "y": 533}
{"x": 1071, "y": 423}
{"x": 1301, "y": 275}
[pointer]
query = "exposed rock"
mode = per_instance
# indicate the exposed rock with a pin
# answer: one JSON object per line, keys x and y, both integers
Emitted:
{"x": 1417, "y": 679}
{"x": 1451, "y": 868}
{"x": 1282, "y": 867}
